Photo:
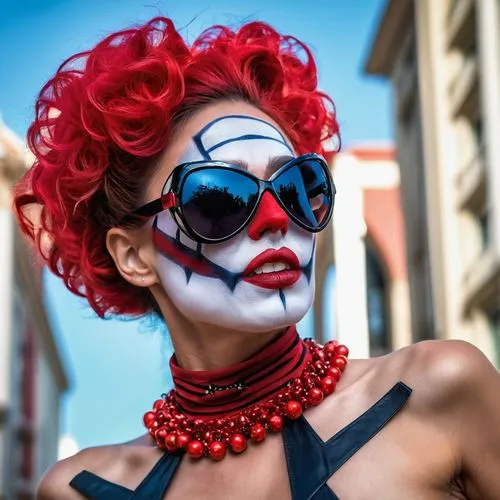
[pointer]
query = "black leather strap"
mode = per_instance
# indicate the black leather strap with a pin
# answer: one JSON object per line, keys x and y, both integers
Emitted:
{"x": 311, "y": 461}
{"x": 97, "y": 488}
{"x": 153, "y": 487}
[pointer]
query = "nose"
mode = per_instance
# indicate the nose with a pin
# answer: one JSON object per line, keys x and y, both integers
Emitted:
{"x": 269, "y": 216}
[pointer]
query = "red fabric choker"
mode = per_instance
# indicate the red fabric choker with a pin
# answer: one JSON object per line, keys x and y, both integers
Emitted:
{"x": 215, "y": 393}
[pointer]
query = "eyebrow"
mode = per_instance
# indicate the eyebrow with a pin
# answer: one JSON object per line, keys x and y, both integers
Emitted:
{"x": 275, "y": 164}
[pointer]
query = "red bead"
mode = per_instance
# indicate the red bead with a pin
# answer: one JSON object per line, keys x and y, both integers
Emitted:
{"x": 340, "y": 362}
{"x": 149, "y": 418}
{"x": 293, "y": 410}
{"x": 258, "y": 433}
{"x": 320, "y": 356}
{"x": 243, "y": 421}
{"x": 330, "y": 346}
{"x": 161, "y": 416}
{"x": 275, "y": 423}
{"x": 158, "y": 404}
{"x": 315, "y": 396}
{"x": 342, "y": 350}
{"x": 217, "y": 450}
{"x": 183, "y": 440}
{"x": 334, "y": 372}
{"x": 171, "y": 443}
{"x": 328, "y": 385}
{"x": 263, "y": 416}
{"x": 308, "y": 381}
{"x": 319, "y": 365}
{"x": 161, "y": 434}
{"x": 238, "y": 443}
{"x": 195, "y": 449}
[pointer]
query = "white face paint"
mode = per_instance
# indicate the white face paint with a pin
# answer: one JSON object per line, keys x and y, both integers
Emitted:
{"x": 221, "y": 300}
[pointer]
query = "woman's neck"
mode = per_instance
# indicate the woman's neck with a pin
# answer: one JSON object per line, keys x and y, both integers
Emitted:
{"x": 208, "y": 347}
{"x": 202, "y": 346}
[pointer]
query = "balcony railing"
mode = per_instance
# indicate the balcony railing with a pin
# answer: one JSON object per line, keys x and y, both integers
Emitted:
{"x": 464, "y": 89}
{"x": 471, "y": 182}
{"x": 481, "y": 281}
{"x": 461, "y": 23}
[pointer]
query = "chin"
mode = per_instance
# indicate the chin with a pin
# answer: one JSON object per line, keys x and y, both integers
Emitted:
{"x": 262, "y": 315}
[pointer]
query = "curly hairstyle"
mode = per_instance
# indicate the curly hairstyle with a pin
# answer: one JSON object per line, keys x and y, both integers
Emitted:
{"x": 108, "y": 113}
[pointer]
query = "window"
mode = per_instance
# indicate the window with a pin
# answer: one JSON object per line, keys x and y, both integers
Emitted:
{"x": 483, "y": 222}
{"x": 471, "y": 50}
{"x": 376, "y": 297}
{"x": 477, "y": 130}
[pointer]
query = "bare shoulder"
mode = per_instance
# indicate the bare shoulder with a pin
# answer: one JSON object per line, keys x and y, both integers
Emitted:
{"x": 443, "y": 372}
{"x": 113, "y": 462}
{"x": 457, "y": 393}
{"x": 55, "y": 483}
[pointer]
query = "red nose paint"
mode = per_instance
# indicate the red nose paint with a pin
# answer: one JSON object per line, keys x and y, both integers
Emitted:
{"x": 269, "y": 216}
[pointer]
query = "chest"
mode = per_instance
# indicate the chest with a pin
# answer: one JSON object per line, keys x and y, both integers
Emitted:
{"x": 388, "y": 451}
{"x": 404, "y": 459}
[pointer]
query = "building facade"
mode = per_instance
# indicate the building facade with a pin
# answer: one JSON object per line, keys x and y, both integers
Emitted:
{"x": 365, "y": 249}
{"x": 32, "y": 377}
{"x": 443, "y": 62}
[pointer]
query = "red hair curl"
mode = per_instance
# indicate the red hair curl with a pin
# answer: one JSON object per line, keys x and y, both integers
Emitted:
{"x": 108, "y": 113}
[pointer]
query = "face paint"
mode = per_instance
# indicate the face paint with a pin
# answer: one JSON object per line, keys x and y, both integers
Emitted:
{"x": 263, "y": 277}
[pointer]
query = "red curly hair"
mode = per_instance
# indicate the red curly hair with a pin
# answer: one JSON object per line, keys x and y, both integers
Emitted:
{"x": 108, "y": 113}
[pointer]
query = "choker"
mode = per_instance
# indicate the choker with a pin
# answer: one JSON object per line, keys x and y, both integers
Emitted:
{"x": 210, "y": 412}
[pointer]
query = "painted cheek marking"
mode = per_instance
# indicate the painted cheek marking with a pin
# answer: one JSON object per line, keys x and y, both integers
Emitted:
{"x": 283, "y": 299}
{"x": 192, "y": 261}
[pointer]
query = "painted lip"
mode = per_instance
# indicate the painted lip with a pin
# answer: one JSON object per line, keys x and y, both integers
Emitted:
{"x": 274, "y": 280}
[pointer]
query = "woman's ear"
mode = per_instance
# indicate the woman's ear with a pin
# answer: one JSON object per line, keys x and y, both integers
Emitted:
{"x": 133, "y": 255}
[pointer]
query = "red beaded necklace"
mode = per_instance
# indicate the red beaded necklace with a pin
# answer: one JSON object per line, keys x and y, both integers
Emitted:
{"x": 208, "y": 427}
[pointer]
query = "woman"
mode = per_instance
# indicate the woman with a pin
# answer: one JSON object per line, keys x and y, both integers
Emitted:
{"x": 188, "y": 180}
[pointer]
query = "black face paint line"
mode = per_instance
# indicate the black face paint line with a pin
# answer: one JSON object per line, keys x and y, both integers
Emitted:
{"x": 204, "y": 149}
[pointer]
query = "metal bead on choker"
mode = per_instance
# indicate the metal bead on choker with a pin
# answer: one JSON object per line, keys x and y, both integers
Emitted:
{"x": 174, "y": 431}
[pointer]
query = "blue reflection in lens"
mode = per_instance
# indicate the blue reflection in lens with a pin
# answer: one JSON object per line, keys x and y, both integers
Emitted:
{"x": 306, "y": 192}
{"x": 217, "y": 202}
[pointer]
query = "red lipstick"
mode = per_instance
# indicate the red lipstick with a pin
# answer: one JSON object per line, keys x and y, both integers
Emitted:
{"x": 273, "y": 279}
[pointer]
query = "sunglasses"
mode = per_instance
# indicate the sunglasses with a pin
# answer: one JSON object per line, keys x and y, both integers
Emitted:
{"x": 212, "y": 201}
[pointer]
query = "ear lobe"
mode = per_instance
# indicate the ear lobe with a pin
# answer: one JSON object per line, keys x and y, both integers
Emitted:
{"x": 126, "y": 250}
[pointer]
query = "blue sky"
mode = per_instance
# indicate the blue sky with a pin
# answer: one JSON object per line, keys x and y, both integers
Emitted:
{"x": 117, "y": 368}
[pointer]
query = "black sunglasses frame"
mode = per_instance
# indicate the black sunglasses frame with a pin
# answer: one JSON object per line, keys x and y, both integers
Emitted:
{"x": 170, "y": 197}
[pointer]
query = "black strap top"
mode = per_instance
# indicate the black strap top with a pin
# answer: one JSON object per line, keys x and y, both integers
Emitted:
{"x": 310, "y": 460}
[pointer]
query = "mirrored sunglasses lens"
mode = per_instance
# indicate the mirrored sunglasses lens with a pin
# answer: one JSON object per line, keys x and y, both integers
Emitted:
{"x": 306, "y": 191}
{"x": 217, "y": 202}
